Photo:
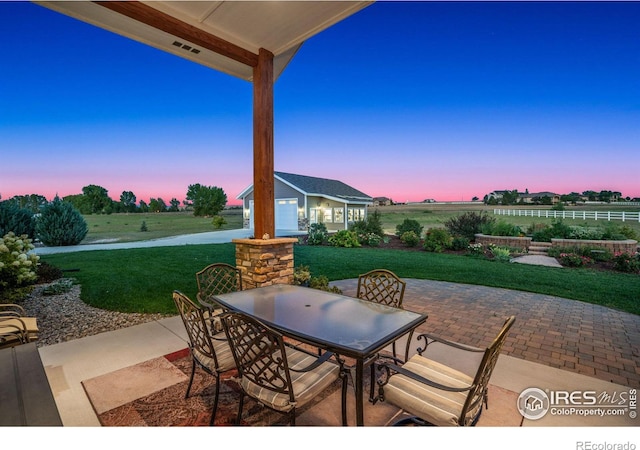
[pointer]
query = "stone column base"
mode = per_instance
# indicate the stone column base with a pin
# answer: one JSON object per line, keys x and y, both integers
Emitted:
{"x": 264, "y": 262}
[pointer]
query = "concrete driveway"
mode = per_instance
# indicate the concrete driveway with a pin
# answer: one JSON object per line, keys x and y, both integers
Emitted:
{"x": 212, "y": 237}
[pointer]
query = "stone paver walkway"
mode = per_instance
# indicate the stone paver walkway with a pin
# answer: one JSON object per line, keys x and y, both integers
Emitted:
{"x": 566, "y": 334}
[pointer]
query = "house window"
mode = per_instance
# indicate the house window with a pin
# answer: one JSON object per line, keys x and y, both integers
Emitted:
{"x": 338, "y": 215}
{"x": 355, "y": 214}
{"x": 328, "y": 216}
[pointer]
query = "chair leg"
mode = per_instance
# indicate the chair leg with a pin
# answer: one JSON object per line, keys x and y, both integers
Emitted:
{"x": 372, "y": 383}
{"x": 193, "y": 371}
{"x": 215, "y": 401}
{"x": 344, "y": 399}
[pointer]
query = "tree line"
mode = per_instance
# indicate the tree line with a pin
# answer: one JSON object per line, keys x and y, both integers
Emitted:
{"x": 202, "y": 200}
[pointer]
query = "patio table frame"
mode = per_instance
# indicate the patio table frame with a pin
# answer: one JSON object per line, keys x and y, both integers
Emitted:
{"x": 347, "y": 326}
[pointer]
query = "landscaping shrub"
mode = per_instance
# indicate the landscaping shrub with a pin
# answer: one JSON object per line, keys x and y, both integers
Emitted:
{"x": 501, "y": 228}
{"x": 574, "y": 260}
{"x": 476, "y": 250}
{"x": 468, "y": 224}
{"x": 557, "y": 230}
{"x": 344, "y": 238}
{"x": 502, "y": 254}
{"x": 16, "y": 219}
{"x": 409, "y": 225}
{"x": 17, "y": 267}
{"x": 61, "y": 224}
{"x": 59, "y": 287}
{"x": 437, "y": 240}
{"x": 301, "y": 275}
{"x": 460, "y": 243}
{"x": 370, "y": 239}
{"x": 317, "y": 234}
{"x": 410, "y": 238}
{"x": 322, "y": 282}
{"x": 624, "y": 262}
{"x": 579, "y": 232}
{"x": 218, "y": 222}
{"x": 48, "y": 273}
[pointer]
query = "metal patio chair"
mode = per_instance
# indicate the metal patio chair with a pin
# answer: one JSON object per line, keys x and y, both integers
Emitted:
{"x": 384, "y": 287}
{"x": 215, "y": 279}
{"x": 15, "y": 327}
{"x": 281, "y": 377}
{"x": 437, "y": 394}
{"x": 209, "y": 350}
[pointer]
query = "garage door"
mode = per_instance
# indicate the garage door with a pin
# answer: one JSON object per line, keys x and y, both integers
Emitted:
{"x": 286, "y": 214}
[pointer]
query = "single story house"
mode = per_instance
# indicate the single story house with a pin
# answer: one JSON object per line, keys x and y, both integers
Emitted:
{"x": 301, "y": 200}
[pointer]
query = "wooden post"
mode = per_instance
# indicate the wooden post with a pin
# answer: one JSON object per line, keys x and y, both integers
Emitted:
{"x": 263, "y": 183}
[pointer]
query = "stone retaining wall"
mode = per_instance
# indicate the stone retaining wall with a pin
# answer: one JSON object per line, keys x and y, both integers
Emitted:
{"x": 522, "y": 243}
{"x": 625, "y": 246}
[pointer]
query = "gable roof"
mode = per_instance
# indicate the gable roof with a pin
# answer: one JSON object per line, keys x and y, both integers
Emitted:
{"x": 318, "y": 186}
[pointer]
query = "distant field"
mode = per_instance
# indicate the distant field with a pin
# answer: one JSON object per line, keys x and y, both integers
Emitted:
{"x": 434, "y": 215}
{"x": 126, "y": 227}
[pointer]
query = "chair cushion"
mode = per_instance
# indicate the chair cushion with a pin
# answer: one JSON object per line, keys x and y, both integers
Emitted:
{"x": 224, "y": 355}
{"x": 29, "y": 322}
{"x": 306, "y": 385}
{"x": 436, "y": 406}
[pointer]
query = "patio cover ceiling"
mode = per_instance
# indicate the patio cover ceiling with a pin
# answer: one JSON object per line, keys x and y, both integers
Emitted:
{"x": 252, "y": 40}
{"x": 222, "y": 35}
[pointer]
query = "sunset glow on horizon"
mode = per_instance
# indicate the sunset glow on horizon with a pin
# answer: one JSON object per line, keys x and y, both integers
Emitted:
{"x": 410, "y": 100}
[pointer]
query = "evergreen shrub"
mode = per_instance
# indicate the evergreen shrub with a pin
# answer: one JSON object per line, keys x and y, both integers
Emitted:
{"x": 61, "y": 224}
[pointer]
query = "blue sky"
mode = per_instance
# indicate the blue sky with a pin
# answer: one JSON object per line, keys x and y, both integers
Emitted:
{"x": 409, "y": 100}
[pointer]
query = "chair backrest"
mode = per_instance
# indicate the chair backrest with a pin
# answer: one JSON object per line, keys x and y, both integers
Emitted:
{"x": 218, "y": 278}
{"x": 381, "y": 286}
{"x": 196, "y": 326}
{"x": 259, "y": 352}
{"x": 481, "y": 381}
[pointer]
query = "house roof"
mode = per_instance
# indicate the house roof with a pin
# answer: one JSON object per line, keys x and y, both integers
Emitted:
{"x": 319, "y": 186}
{"x": 223, "y": 35}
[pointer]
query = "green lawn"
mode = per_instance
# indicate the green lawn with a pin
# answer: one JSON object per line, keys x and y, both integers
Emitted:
{"x": 141, "y": 280}
{"x": 126, "y": 227}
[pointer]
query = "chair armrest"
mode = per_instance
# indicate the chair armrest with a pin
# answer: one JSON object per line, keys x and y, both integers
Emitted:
{"x": 414, "y": 376}
{"x": 430, "y": 339}
{"x": 11, "y": 310}
{"x": 319, "y": 361}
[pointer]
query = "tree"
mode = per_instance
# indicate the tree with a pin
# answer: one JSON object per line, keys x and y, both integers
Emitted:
{"x": 32, "y": 202}
{"x": 80, "y": 202}
{"x": 128, "y": 200}
{"x": 206, "y": 200}
{"x": 157, "y": 205}
{"x": 98, "y": 199}
{"x": 175, "y": 205}
{"x": 591, "y": 195}
{"x": 510, "y": 197}
{"x": 143, "y": 206}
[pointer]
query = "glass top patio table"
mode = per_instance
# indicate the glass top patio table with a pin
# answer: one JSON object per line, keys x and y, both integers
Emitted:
{"x": 345, "y": 325}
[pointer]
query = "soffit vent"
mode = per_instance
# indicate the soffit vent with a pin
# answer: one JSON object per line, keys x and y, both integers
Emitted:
{"x": 186, "y": 47}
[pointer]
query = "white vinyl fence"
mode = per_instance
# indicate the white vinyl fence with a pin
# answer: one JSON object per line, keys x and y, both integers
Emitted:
{"x": 579, "y": 215}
